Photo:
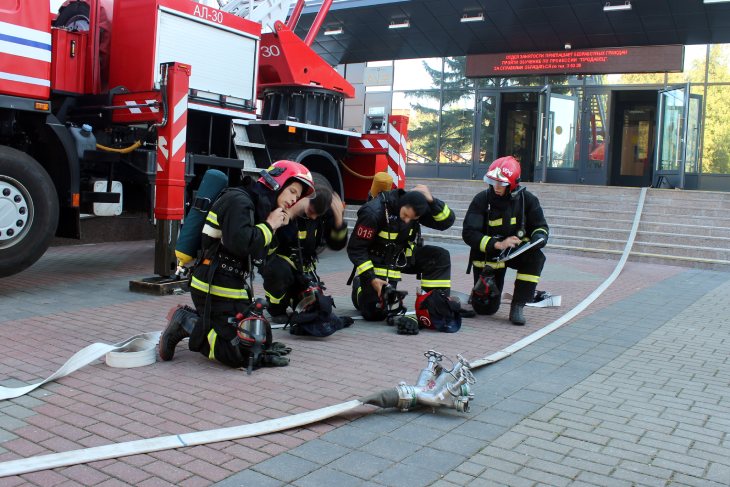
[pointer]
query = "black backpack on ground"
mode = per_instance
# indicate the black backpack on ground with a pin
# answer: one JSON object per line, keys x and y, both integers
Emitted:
{"x": 318, "y": 320}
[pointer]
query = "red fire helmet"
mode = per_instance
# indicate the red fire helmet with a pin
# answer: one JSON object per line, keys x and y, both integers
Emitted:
{"x": 282, "y": 171}
{"x": 504, "y": 171}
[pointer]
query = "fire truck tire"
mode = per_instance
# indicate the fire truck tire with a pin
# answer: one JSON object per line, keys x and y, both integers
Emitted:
{"x": 28, "y": 211}
{"x": 320, "y": 179}
{"x": 74, "y": 16}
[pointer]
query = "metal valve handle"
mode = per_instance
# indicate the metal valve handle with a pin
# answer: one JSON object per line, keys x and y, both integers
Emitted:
{"x": 434, "y": 354}
{"x": 463, "y": 361}
{"x": 468, "y": 376}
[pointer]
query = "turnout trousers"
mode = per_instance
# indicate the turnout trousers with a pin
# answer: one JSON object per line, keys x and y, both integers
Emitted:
{"x": 216, "y": 341}
{"x": 529, "y": 268}
{"x": 279, "y": 283}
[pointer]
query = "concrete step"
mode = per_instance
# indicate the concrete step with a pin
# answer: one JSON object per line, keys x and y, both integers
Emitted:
{"x": 689, "y": 228}
{"x": 643, "y": 251}
{"x": 464, "y": 191}
{"x": 581, "y": 220}
{"x": 699, "y": 231}
{"x": 687, "y": 215}
{"x": 551, "y": 212}
{"x": 574, "y": 209}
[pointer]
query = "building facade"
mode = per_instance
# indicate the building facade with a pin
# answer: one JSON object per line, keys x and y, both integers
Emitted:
{"x": 658, "y": 129}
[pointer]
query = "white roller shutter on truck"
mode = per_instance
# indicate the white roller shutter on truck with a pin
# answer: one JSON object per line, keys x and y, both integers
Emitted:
{"x": 223, "y": 60}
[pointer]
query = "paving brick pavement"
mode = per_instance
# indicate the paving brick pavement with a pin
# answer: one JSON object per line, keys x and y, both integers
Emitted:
{"x": 78, "y": 295}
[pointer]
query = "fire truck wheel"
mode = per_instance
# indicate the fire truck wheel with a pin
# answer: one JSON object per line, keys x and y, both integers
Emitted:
{"x": 319, "y": 179}
{"x": 28, "y": 211}
{"x": 73, "y": 16}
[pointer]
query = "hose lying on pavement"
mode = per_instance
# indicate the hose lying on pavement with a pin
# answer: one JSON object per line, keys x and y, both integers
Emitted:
{"x": 386, "y": 398}
{"x": 138, "y": 345}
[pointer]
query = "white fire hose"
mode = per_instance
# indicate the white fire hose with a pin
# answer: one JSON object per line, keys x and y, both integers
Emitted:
{"x": 142, "y": 344}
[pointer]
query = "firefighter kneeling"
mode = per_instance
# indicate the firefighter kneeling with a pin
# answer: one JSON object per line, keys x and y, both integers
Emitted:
{"x": 498, "y": 222}
{"x": 386, "y": 243}
{"x": 239, "y": 228}
{"x": 290, "y": 273}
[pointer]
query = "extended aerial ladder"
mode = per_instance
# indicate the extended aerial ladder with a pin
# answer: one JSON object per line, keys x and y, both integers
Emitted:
{"x": 265, "y": 12}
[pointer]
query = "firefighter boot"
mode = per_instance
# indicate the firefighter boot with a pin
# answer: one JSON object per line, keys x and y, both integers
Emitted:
{"x": 516, "y": 314}
{"x": 278, "y": 313}
{"x": 182, "y": 320}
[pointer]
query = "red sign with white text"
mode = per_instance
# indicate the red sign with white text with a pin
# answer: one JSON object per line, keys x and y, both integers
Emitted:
{"x": 645, "y": 59}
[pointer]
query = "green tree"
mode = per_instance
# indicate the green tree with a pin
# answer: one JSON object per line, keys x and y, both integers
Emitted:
{"x": 453, "y": 90}
{"x": 454, "y": 94}
{"x": 641, "y": 79}
{"x": 716, "y": 147}
{"x": 716, "y": 141}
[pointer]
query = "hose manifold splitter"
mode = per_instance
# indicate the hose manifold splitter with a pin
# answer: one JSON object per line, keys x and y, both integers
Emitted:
{"x": 436, "y": 387}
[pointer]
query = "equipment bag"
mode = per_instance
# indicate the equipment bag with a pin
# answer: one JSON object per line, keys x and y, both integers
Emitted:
{"x": 438, "y": 311}
{"x": 318, "y": 320}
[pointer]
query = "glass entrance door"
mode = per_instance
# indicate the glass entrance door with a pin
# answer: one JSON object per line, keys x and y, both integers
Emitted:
{"x": 564, "y": 116}
{"x": 692, "y": 161}
{"x": 594, "y": 137}
{"x": 671, "y": 154}
{"x": 558, "y": 128}
{"x": 544, "y": 129}
{"x": 487, "y": 130}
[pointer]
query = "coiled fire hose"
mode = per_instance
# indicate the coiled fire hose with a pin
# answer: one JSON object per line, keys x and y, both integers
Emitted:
{"x": 386, "y": 398}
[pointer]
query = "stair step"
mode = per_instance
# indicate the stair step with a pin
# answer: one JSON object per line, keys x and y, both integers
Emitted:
{"x": 690, "y": 228}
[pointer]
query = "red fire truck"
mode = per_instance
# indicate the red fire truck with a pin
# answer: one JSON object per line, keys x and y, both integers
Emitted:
{"x": 112, "y": 106}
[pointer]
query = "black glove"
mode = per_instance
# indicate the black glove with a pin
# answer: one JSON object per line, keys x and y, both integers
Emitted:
{"x": 273, "y": 359}
{"x": 539, "y": 237}
{"x": 279, "y": 348}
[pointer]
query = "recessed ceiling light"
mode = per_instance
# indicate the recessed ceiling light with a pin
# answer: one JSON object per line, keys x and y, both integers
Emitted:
{"x": 609, "y": 7}
{"x": 399, "y": 24}
{"x": 473, "y": 17}
{"x": 333, "y": 31}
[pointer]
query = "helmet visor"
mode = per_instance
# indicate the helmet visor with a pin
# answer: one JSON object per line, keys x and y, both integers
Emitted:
{"x": 495, "y": 182}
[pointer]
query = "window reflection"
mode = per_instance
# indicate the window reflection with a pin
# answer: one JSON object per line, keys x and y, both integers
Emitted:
{"x": 719, "y": 67}
{"x": 598, "y": 123}
{"x": 716, "y": 143}
{"x": 564, "y": 127}
{"x": 695, "y": 60}
{"x": 487, "y": 129}
{"x": 455, "y": 73}
{"x": 693, "y": 134}
{"x": 417, "y": 74}
{"x": 457, "y": 122}
{"x": 672, "y": 123}
{"x": 633, "y": 79}
{"x": 422, "y": 108}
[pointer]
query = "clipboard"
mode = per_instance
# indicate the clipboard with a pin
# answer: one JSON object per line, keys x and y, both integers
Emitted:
{"x": 520, "y": 250}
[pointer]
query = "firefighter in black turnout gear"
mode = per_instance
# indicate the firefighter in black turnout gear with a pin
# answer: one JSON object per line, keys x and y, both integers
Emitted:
{"x": 317, "y": 222}
{"x": 386, "y": 242}
{"x": 497, "y": 222}
{"x": 239, "y": 229}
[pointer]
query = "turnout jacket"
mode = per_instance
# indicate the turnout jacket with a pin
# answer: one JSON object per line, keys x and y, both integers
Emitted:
{"x": 491, "y": 218}
{"x": 313, "y": 236}
{"x": 379, "y": 246}
{"x": 235, "y": 229}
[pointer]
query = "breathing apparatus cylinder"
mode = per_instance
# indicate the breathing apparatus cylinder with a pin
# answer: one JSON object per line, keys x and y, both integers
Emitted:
{"x": 189, "y": 240}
